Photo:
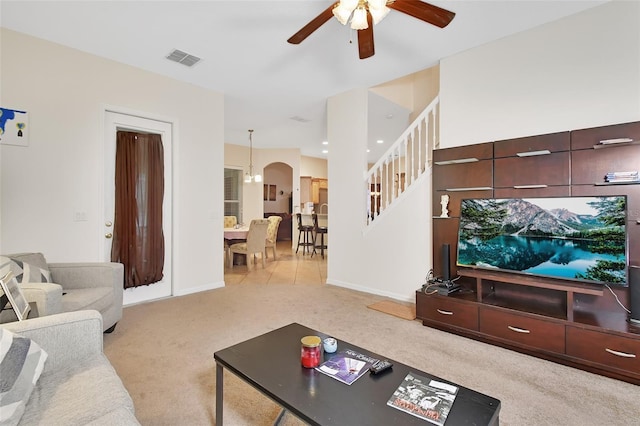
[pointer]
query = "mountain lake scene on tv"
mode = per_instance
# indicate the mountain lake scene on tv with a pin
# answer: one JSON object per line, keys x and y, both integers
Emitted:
{"x": 576, "y": 238}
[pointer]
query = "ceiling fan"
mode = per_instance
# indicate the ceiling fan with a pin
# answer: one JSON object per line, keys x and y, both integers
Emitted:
{"x": 363, "y": 14}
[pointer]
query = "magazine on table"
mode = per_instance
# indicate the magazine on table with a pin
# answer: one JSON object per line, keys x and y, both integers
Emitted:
{"x": 425, "y": 398}
{"x": 347, "y": 365}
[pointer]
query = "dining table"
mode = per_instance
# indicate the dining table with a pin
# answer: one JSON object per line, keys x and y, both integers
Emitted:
{"x": 234, "y": 235}
{"x": 239, "y": 233}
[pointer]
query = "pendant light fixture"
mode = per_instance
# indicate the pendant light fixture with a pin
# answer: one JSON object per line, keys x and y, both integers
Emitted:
{"x": 249, "y": 177}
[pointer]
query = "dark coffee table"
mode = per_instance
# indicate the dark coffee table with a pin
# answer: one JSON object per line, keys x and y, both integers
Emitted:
{"x": 271, "y": 364}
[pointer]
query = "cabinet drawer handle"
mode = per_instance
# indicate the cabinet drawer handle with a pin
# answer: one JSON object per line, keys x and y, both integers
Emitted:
{"x": 518, "y": 330}
{"x": 440, "y": 311}
{"x": 622, "y": 354}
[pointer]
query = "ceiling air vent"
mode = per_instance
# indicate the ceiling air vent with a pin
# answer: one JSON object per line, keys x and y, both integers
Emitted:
{"x": 183, "y": 58}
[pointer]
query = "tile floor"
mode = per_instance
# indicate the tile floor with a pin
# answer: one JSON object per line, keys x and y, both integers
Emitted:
{"x": 288, "y": 268}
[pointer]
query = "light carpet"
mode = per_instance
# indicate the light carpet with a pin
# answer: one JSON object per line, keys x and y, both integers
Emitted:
{"x": 397, "y": 309}
{"x": 163, "y": 351}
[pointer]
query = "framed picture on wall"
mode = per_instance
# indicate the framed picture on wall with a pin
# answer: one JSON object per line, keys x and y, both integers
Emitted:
{"x": 269, "y": 193}
{"x": 14, "y": 127}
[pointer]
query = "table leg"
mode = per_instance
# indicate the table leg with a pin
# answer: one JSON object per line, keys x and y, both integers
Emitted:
{"x": 219, "y": 388}
{"x": 280, "y": 417}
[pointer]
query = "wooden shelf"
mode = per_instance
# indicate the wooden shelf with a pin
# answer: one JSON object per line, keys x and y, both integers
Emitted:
{"x": 562, "y": 320}
{"x": 549, "y": 283}
{"x": 555, "y": 310}
{"x": 559, "y": 285}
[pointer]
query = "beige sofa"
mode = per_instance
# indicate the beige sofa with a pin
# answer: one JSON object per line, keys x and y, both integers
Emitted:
{"x": 78, "y": 385}
{"x": 72, "y": 287}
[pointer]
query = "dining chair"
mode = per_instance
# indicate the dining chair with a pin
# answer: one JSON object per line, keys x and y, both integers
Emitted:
{"x": 230, "y": 221}
{"x": 305, "y": 235}
{"x": 272, "y": 235}
{"x": 256, "y": 238}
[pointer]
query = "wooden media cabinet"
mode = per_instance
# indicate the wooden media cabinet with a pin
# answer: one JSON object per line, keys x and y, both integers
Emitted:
{"x": 577, "y": 324}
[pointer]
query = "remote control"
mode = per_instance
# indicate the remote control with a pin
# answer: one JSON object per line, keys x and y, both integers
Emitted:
{"x": 380, "y": 366}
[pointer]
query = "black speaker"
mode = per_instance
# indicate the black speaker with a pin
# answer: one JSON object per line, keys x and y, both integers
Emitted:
{"x": 445, "y": 263}
{"x": 634, "y": 294}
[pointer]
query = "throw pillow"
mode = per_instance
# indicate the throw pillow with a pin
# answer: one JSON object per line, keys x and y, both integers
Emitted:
{"x": 21, "y": 363}
{"x": 25, "y": 272}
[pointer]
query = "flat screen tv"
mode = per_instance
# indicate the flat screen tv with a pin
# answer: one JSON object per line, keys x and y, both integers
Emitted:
{"x": 574, "y": 238}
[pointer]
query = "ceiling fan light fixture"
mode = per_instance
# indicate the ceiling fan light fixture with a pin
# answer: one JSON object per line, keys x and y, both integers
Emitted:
{"x": 378, "y": 15}
{"x": 359, "y": 19}
{"x": 377, "y": 4}
{"x": 342, "y": 14}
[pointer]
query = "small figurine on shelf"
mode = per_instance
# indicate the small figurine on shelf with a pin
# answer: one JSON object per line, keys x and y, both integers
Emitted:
{"x": 444, "y": 202}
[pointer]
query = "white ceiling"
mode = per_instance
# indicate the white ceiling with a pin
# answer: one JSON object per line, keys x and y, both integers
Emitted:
{"x": 267, "y": 81}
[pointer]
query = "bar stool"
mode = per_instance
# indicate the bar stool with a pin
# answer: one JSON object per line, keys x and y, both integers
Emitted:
{"x": 318, "y": 230}
{"x": 305, "y": 240}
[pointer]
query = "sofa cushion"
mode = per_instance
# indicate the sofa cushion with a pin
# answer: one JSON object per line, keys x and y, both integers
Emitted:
{"x": 77, "y": 394}
{"x": 31, "y": 268}
{"x": 21, "y": 364}
{"x": 117, "y": 416}
{"x": 78, "y": 299}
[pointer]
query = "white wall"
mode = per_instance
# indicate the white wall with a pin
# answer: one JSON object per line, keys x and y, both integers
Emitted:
{"x": 65, "y": 92}
{"x": 392, "y": 257}
{"x": 314, "y": 167}
{"x": 578, "y": 72}
{"x": 581, "y": 71}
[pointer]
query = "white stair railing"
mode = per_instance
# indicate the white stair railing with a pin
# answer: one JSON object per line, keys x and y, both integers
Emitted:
{"x": 403, "y": 163}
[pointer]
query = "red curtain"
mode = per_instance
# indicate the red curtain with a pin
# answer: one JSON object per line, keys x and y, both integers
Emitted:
{"x": 138, "y": 240}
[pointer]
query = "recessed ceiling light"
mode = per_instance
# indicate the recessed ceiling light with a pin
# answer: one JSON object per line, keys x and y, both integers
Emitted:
{"x": 325, "y": 142}
{"x": 368, "y": 150}
{"x": 325, "y": 151}
{"x": 380, "y": 141}
{"x": 389, "y": 116}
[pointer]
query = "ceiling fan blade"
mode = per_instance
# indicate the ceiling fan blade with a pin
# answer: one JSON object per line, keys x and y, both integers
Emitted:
{"x": 424, "y": 11}
{"x": 365, "y": 40}
{"x": 313, "y": 25}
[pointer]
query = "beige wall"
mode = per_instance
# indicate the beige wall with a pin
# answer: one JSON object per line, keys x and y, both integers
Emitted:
{"x": 280, "y": 175}
{"x": 314, "y": 167}
{"x": 578, "y": 72}
{"x": 237, "y": 156}
{"x": 62, "y": 170}
{"x": 414, "y": 91}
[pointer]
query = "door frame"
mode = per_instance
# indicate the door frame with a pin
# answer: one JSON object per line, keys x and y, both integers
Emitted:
{"x": 116, "y": 118}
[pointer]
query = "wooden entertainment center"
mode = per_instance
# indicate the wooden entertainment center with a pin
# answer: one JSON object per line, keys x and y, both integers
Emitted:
{"x": 576, "y": 324}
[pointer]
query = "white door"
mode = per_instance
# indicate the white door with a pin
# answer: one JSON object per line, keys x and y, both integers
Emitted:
{"x": 113, "y": 122}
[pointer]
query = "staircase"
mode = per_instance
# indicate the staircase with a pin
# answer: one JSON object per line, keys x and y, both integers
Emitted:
{"x": 403, "y": 164}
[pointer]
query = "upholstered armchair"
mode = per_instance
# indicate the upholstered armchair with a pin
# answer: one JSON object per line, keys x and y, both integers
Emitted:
{"x": 272, "y": 235}
{"x": 66, "y": 287}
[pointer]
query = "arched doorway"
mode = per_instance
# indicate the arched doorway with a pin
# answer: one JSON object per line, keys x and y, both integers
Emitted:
{"x": 277, "y": 196}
